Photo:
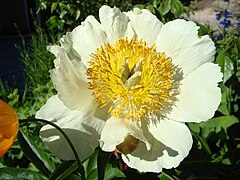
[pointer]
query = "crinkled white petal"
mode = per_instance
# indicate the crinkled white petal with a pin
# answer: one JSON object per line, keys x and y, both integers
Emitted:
{"x": 87, "y": 38}
{"x": 145, "y": 25}
{"x": 179, "y": 40}
{"x": 70, "y": 81}
{"x": 114, "y": 23}
{"x": 82, "y": 129}
{"x": 171, "y": 142}
{"x": 67, "y": 44}
{"x": 54, "y": 49}
{"x": 199, "y": 95}
{"x": 116, "y": 130}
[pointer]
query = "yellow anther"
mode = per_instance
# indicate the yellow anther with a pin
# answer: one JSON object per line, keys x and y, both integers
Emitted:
{"x": 133, "y": 77}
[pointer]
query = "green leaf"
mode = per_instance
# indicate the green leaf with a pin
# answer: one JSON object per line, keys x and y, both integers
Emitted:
{"x": 19, "y": 174}
{"x": 217, "y": 124}
{"x": 156, "y": 3}
{"x": 224, "y": 108}
{"x": 102, "y": 161}
{"x": 228, "y": 69}
{"x": 54, "y": 6}
{"x": 176, "y": 7}
{"x": 203, "y": 142}
{"x": 203, "y": 29}
{"x": 35, "y": 150}
{"x": 93, "y": 175}
{"x": 165, "y": 7}
{"x": 64, "y": 170}
{"x": 227, "y": 66}
{"x": 112, "y": 172}
{"x": 62, "y": 14}
{"x": 78, "y": 13}
{"x": 220, "y": 59}
{"x": 140, "y": 6}
{"x": 74, "y": 177}
{"x": 194, "y": 127}
{"x": 150, "y": 7}
{"x": 237, "y": 42}
{"x": 165, "y": 176}
{"x": 90, "y": 164}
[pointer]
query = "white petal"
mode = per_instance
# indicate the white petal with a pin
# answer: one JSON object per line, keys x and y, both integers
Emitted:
{"x": 82, "y": 129}
{"x": 114, "y": 22}
{"x": 145, "y": 25}
{"x": 87, "y": 38}
{"x": 70, "y": 81}
{"x": 179, "y": 40}
{"x": 171, "y": 142}
{"x": 116, "y": 130}
{"x": 67, "y": 44}
{"x": 54, "y": 49}
{"x": 199, "y": 95}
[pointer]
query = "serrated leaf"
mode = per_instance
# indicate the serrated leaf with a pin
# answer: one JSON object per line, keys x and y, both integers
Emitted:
{"x": 176, "y": 7}
{"x": 33, "y": 148}
{"x": 217, "y": 124}
{"x": 8, "y": 173}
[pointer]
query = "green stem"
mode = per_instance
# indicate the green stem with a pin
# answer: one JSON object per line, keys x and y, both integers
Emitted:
{"x": 81, "y": 169}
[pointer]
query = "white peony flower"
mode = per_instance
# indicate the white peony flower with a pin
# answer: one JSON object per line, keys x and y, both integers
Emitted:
{"x": 130, "y": 82}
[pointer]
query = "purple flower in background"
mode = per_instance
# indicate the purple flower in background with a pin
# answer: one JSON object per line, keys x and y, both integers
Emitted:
{"x": 218, "y": 16}
{"x": 228, "y": 14}
{"x": 225, "y": 23}
{"x": 238, "y": 25}
{"x": 218, "y": 36}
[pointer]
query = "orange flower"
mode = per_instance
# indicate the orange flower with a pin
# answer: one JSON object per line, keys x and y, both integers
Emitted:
{"x": 8, "y": 127}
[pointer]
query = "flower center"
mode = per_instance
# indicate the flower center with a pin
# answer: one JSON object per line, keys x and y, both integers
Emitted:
{"x": 132, "y": 77}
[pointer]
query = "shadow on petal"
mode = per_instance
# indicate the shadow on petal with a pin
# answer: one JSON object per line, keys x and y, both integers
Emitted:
{"x": 84, "y": 140}
{"x": 157, "y": 150}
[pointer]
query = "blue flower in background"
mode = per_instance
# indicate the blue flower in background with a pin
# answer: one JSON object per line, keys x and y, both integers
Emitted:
{"x": 218, "y": 16}
{"x": 218, "y": 36}
{"x": 228, "y": 14}
{"x": 225, "y": 23}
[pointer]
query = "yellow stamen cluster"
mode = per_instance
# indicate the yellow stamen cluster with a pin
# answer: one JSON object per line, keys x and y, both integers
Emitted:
{"x": 132, "y": 77}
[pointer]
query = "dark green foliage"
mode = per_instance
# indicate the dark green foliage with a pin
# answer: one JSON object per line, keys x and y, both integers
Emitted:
{"x": 67, "y": 14}
{"x": 165, "y": 10}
